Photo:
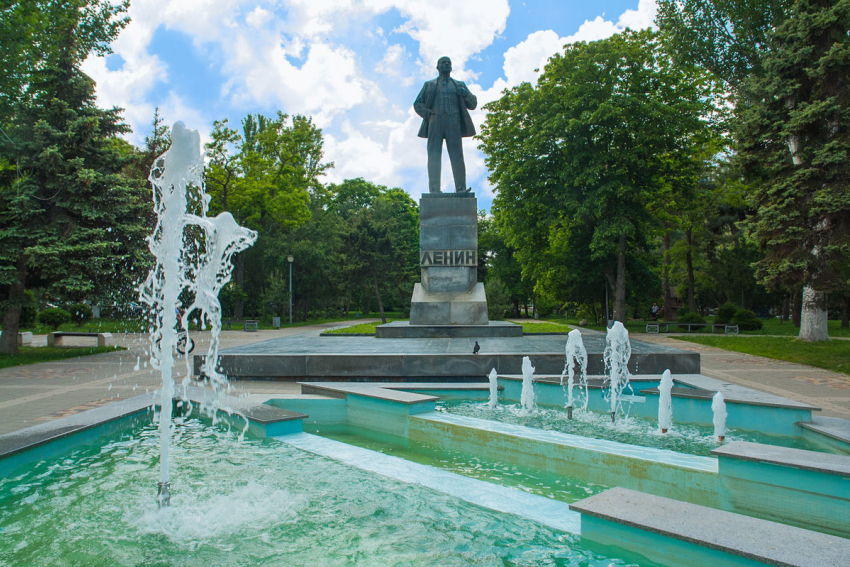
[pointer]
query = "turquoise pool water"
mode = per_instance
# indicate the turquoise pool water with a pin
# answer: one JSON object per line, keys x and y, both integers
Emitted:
{"x": 682, "y": 438}
{"x": 533, "y": 481}
{"x": 258, "y": 502}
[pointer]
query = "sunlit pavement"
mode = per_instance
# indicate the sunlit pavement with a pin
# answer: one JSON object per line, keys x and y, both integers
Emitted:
{"x": 35, "y": 393}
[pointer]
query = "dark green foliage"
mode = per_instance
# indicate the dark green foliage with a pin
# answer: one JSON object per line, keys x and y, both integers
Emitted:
{"x": 54, "y": 317}
{"x": 498, "y": 300}
{"x": 70, "y": 220}
{"x": 725, "y": 313}
{"x": 690, "y": 318}
{"x": 795, "y": 144}
{"x": 80, "y": 313}
{"x": 29, "y": 309}
{"x": 746, "y": 320}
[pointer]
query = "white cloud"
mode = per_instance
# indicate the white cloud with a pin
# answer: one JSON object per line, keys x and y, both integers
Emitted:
{"x": 533, "y": 52}
{"x": 258, "y": 17}
{"x": 643, "y": 17}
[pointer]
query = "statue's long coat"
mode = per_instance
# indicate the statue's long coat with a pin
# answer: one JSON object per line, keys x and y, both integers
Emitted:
{"x": 425, "y": 100}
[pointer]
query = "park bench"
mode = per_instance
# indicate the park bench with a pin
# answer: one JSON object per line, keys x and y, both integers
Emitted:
{"x": 24, "y": 338}
{"x": 728, "y": 329}
{"x": 55, "y": 338}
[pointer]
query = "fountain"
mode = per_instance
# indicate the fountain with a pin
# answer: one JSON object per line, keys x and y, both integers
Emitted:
{"x": 527, "y": 398}
{"x": 192, "y": 255}
{"x": 718, "y": 406}
{"x": 575, "y": 354}
{"x": 665, "y": 402}
{"x": 618, "y": 350}
{"x": 494, "y": 388}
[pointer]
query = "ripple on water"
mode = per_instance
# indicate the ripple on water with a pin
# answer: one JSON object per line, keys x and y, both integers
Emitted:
{"x": 250, "y": 503}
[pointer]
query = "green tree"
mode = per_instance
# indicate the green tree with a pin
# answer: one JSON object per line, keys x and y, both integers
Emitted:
{"x": 795, "y": 140}
{"x": 265, "y": 177}
{"x": 588, "y": 150}
{"x": 70, "y": 220}
{"x": 381, "y": 238}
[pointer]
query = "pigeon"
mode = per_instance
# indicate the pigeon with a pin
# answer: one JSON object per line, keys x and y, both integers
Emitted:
{"x": 476, "y": 348}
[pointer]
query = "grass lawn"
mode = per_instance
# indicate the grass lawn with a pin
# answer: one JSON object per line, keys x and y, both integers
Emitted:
{"x": 771, "y": 327}
{"x": 531, "y": 327}
{"x": 832, "y": 355}
{"x": 33, "y": 355}
{"x": 363, "y": 328}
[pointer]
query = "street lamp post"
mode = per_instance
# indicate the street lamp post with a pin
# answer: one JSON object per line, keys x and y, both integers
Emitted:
{"x": 290, "y": 259}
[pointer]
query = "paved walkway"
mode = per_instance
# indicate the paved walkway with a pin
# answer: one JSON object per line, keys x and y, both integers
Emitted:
{"x": 40, "y": 392}
{"x": 827, "y": 390}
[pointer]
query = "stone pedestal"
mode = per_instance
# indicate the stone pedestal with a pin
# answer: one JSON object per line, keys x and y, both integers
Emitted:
{"x": 448, "y": 257}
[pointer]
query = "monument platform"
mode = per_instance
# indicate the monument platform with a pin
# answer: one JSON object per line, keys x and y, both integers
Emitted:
{"x": 404, "y": 330}
{"x": 357, "y": 358}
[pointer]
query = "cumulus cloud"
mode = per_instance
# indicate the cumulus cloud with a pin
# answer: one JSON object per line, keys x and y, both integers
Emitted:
{"x": 525, "y": 61}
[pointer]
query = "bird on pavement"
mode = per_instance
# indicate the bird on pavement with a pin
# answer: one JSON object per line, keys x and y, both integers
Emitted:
{"x": 476, "y": 348}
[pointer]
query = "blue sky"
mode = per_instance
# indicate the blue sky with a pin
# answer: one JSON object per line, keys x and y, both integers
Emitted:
{"x": 355, "y": 66}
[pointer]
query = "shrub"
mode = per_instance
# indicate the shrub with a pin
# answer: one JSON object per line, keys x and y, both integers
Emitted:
{"x": 545, "y": 306}
{"x": 746, "y": 320}
{"x": 54, "y": 317}
{"x": 80, "y": 313}
{"x": 690, "y": 318}
{"x": 725, "y": 313}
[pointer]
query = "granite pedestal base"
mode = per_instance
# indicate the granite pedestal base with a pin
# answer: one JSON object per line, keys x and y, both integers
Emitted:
{"x": 448, "y": 307}
{"x": 404, "y": 330}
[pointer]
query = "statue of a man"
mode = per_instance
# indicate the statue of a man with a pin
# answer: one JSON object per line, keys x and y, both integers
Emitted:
{"x": 444, "y": 105}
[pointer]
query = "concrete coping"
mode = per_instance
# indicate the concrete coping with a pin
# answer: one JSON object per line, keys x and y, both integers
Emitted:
{"x": 392, "y": 392}
{"x": 736, "y": 398}
{"x": 760, "y": 540}
{"x": 594, "y": 382}
{"x": 834, "y": 427}
{"x": 32, "y": 437}
{"x": 815, "y": 461}
{"x": 736, "y": 393}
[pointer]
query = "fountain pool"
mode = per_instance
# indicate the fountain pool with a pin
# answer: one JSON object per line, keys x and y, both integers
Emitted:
{"x": 259, "y": 501}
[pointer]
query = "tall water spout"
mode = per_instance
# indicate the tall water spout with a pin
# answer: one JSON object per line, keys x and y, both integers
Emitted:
{"x": 494, "y": 389}
{"x": 665, "y": 402}
{"x": 617, "y": 353}
{"x": 575, "y": 353}
{"x": 192, "y": 254}
{"x": 527, "y": 396}
{"x": 718, "y": 406}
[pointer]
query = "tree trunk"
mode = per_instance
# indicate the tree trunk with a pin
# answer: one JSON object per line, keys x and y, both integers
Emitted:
{"x": 380, "y": 302}
{"x": 620, "y": 285}
{"x": 515, "y": 307}
{"x": 797, "y": 307}
{"x": 785, "y": 309}
{"x": 12, "y": 316}
{"x": 813, "y": 322}
{"x": 845, "y": 314}
{"x": 665, "y": 282}
{"x": 238, "y": 303}
{"x": 689, "y": 259}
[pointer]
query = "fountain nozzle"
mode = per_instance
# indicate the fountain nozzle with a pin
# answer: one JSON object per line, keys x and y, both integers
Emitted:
{"x": 613, "y": 416}
{"x": 163, "y": 495}
{"x": 569, "y": 412}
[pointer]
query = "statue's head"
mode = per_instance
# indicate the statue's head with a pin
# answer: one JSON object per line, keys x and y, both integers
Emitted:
{"x": 444, "y": 65}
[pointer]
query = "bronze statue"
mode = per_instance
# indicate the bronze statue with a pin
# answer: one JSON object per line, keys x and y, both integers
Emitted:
{"x": 444, "y": 105}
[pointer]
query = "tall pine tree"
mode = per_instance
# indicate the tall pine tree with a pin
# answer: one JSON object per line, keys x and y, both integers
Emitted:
{"x": 795, "y": 136}
{"x": 70, "y": 220}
